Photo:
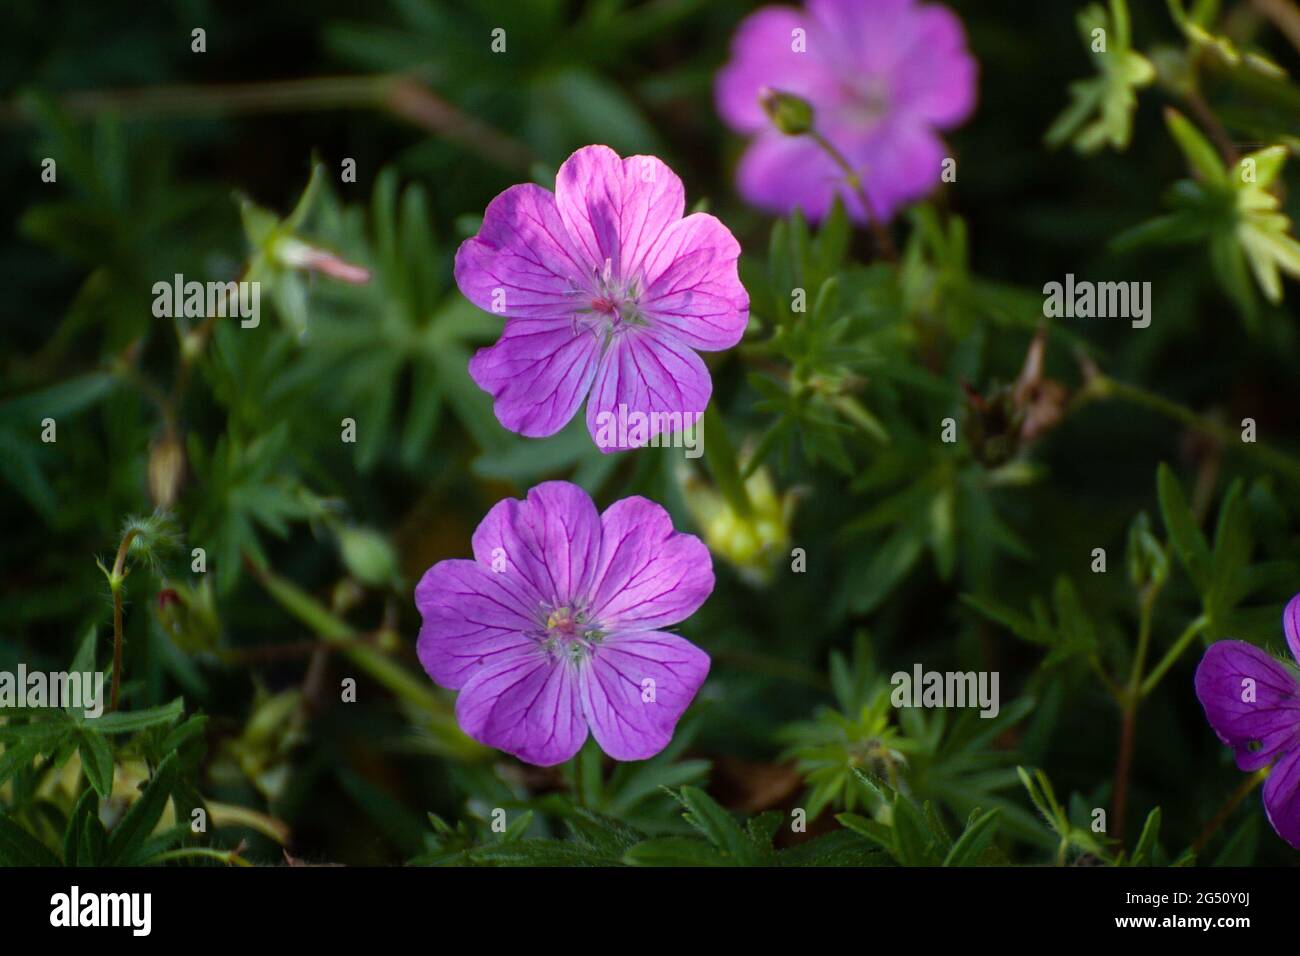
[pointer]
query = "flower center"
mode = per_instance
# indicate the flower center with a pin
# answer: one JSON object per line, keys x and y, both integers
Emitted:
{"x": 614, "y": 302}
{"x": 561, "y": 622}
{"x": 869, "y": 101}
{"x": 569, "y": 633}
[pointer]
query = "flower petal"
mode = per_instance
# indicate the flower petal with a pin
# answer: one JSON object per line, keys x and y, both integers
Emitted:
{"x": 470, "y": 620}
{"x": 616, "y": 209}
{"x": 549, "y": 543}
{"x": 936, "y": 80}
{"x": 636, "y": 687}
{"x": 764, "y": 54}
{"x": 1291, "y": 625}
{"x": 526, "y": 704}
{"x": 1281, "y": 798}
{"x": 522, "y": 263}
{"x": 694, "y": 287}
{"x": 862, "y": 38}
{"x": 1251, "y": 700}
{"x": 648, "y": 575}
{"x": 645, "y": 371}
{"x": 538, "y": 373}
{"x": 900, "y": 161}
{"x": 781, "y": 173}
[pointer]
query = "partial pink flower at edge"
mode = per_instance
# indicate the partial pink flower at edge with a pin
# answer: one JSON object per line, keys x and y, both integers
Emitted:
{"x": 1252, "y": 701}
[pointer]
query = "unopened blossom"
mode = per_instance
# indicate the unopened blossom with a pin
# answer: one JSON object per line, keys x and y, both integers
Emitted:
{"x": 1252, "y": 700}
{"x": 556, "y": 627}
{"x": 882, "y": 77}
{"x": 296, "y": 254}
{"x": 608, "y": 292}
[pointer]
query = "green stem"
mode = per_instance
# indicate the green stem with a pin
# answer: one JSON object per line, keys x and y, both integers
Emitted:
{"x": 402, "y": 95}
{"x": 1102, "y": 387}
{"x": 879, "y": 234}
{"x": 1130, "y": 699}
{"x": 339, "y": 634}
{"x": 1220, "y": 818}
{"x": 229, "y": 857}
{"x": 1145, "y": 606}
{"x": 115, "y": 581}
{"x": 1172, "y": 655}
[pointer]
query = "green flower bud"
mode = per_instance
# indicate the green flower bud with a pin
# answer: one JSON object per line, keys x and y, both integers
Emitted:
{"x": 792, "y": 115}
{"x": 368, "y": 556}
{"x": 751, "y": 543}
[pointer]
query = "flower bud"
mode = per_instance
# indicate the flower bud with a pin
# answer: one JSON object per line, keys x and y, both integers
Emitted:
{"x": 166, "y": 471}
{"x": 792, "y": 115}
{"x": 295, "y": 254}
{"x": 368, "y": 556}
{"x": 750, "y": 542}
{"x": 1148, "y": 565}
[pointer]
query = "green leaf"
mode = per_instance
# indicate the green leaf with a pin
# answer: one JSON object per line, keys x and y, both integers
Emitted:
{"x": 763, "y": 828}
{"x": 871, "y": 830}
{"x": 19, "y": 756}
{"x": 1232, "y": 548}
{"x": 837, "y": 848}
{"x": 121, "y": 722}
{"x": 1189, "y": 544}
{"x": 912, "y": 841}
{"x": 82, "y": 846}
{"x": 1201, "y": 156}
{"x": 178, "y": 736}
{"x": 135, "y": 827}
{"x": 1101, "y": 108}
{"x": 975, "y": 839}
{"x": 674, "y": 851}
{"x": 602, "y": 833}
{"x": 1146, "y": 843}
{"x": 538, "y": 853}
{"x": 96, "y": 761}
{"x": 704, "y": 813}
{"x": 20, "y": 848}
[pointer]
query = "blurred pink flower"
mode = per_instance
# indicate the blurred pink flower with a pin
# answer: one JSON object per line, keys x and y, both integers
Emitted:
{"x": 882, "y": 76}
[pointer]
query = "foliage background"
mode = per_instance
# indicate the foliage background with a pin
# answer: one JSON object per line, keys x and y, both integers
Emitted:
{"x": 916, "y": 552}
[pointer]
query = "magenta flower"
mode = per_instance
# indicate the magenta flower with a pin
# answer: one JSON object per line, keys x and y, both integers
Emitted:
{"x": 881, "y": 75}
{"x": 1252, "y": 701}
{"x": 607, "y": 291}
{"x": 556, "y": 626}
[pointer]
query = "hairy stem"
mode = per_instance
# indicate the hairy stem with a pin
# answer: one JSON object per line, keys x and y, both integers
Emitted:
{"x": 115, "y": 581}
{"x": 1171, "y": 656}
{"x": 1124, "y": 765}
{"x": 228, "y": 857}
{"x": 1103, "y": 387}
{"x": 1220, "y": 818}
{"x": 402, "y": 95}
{"x": 879, "y": 234}
{"x": 1130, "y": 700}
{"x": 1285, "y": 16}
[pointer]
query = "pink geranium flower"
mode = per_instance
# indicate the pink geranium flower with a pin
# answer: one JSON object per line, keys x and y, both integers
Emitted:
{"x": 607, "y": 292}
{"x": 882, "y": 77}
{"x": 1252, "y": 700}
{"x": 556, "y": 626}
